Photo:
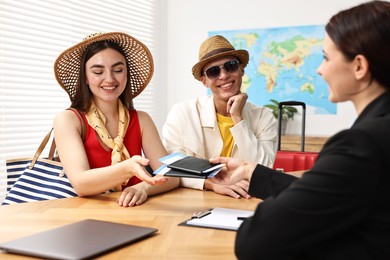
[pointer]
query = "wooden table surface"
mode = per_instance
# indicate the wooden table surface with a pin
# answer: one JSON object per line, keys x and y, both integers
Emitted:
{"x": 164, "y": 212}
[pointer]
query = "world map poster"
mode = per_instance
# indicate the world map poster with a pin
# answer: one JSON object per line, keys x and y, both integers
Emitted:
{"x": 282, "y": 65}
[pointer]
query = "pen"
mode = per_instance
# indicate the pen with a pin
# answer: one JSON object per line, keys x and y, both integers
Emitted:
{"x": 201, "y": 214}
{"x": 241, "y": 218}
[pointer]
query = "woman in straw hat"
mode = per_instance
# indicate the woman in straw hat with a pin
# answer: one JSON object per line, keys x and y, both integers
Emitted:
{"x": 102, "y": 74}
{"x": 340, "y": 208}
{"x": 224, "y": 123}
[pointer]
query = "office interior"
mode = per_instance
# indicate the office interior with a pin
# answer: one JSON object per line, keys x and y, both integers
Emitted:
{"x": 178, "y": 28}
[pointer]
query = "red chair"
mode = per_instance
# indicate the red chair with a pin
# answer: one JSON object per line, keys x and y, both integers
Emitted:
{"x": 288, "y": 161}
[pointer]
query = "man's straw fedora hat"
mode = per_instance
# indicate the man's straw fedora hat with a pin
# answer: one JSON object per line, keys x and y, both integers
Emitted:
{"x": 138, "y": 57}
{"x": 216, "y": 47}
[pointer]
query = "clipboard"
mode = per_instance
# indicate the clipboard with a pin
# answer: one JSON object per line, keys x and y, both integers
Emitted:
{"x": 218, "y": 218}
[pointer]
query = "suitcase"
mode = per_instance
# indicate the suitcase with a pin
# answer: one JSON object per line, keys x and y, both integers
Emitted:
{"x": 288, "y": 161}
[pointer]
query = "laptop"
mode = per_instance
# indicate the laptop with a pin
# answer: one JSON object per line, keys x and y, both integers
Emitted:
{"x": 80, "y": 240}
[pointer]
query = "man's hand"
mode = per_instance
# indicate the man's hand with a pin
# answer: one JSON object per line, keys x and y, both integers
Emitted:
{"x": 235, "y": 170}
{"x": 235, "y": 106}
{"x": 236, "y": 190}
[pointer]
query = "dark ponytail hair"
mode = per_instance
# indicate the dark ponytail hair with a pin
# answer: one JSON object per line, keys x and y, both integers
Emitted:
{"x": 365, "y": 30}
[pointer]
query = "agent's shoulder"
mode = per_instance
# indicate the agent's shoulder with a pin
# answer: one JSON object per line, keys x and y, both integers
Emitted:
{"x": 376, "y": 127}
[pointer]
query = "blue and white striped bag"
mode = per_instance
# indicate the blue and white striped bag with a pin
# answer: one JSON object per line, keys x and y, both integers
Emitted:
{"x": 36, "y": 179}
{"x": 45, "y": 181}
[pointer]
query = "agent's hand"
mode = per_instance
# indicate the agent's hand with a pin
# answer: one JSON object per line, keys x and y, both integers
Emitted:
{"x": 131, "y": 197}
{"x": 236, "y": 190}
{"x": 235, "y": 105}
{"x": 135, "y": 165}
{"x": 235, "y": 170}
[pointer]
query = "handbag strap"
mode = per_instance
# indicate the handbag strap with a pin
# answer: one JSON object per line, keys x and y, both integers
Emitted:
{"x": 53, "y": 144}
{"x": 40, "y": 149}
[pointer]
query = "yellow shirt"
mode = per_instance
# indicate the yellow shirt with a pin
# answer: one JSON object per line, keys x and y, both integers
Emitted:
{"x": 224, "y": 124}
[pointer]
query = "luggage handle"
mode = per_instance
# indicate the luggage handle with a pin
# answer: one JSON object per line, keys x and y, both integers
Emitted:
{"x": 293, "y": 103}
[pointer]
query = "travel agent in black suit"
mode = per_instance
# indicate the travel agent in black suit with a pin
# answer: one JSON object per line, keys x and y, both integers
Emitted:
{"x": 340, "y": 209}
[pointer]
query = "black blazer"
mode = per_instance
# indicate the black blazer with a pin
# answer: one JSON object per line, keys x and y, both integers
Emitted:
{"x": 340, "y": 209}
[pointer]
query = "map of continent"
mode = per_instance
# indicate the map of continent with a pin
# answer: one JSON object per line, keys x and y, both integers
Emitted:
{"x": 282, "y": 65}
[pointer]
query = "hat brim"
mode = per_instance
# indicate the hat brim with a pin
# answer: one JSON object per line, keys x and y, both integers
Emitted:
{"x": 138, "y": 58}
{"x": 242, "y": 55}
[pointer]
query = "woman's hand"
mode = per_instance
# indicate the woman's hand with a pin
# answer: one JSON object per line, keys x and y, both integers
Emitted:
{"x": 131, "y": 197}
{"x": 235, "y": 170}
{"x": 136, "y": 166}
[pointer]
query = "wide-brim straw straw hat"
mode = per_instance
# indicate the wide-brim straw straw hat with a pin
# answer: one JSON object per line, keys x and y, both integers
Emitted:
{"x": 215, "y": 47}
{"x": 138, "y": 57}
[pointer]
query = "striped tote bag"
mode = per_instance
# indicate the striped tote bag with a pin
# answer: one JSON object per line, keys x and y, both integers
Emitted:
{"x": 35, "y": 179}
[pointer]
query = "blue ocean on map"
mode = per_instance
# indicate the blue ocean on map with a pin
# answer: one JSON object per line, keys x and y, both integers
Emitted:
{"x": 282, "y": 65}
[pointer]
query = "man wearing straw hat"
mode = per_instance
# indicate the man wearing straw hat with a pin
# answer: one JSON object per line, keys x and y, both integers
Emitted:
{"x": 223, "y": 123}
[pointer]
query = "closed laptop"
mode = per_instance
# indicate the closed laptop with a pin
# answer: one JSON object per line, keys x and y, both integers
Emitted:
{"x": 81, "y": 240}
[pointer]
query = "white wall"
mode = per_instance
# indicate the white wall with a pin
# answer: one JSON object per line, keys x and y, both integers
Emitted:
{"x": 188, "y": 24}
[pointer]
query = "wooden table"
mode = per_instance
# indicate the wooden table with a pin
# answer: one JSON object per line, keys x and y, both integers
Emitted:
{"x": 164, "y": 212}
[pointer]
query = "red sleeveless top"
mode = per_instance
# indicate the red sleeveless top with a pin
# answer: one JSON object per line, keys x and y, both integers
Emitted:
{"x": 98, "y": 157}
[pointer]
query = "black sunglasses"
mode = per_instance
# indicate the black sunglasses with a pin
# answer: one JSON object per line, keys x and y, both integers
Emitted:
{"x": 229, "y": 66}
